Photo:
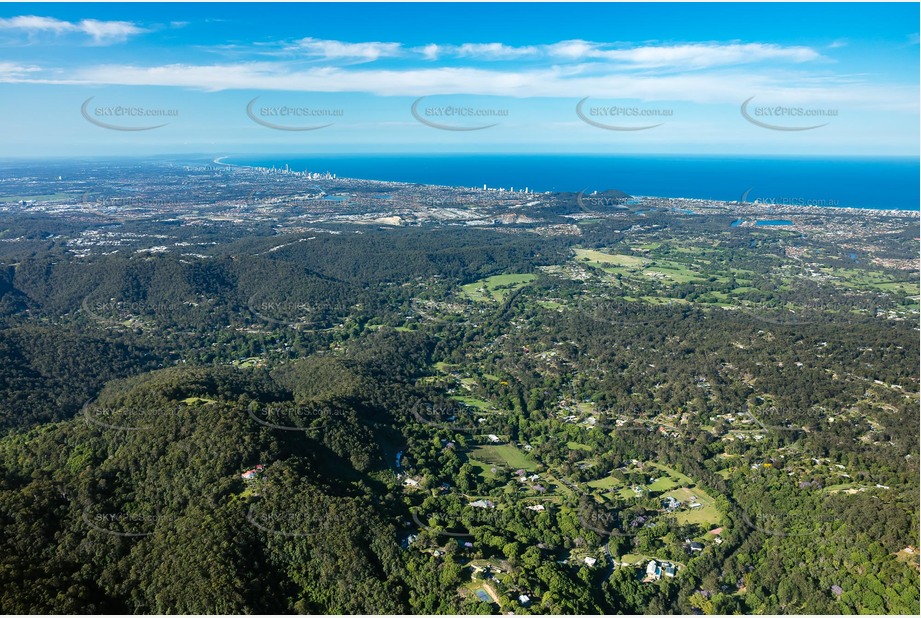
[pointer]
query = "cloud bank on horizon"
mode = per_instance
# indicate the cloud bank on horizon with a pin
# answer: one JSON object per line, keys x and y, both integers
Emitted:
{"x": 865, "y": 91}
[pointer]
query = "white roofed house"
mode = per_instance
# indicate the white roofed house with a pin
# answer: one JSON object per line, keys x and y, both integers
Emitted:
{"x": 655, "y": 570}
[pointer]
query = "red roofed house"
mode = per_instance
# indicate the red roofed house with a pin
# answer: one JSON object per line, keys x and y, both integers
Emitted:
{"x": 251, "y": 474}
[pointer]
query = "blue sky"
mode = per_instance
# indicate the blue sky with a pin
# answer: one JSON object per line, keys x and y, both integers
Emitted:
{"x": 818, "y": 79}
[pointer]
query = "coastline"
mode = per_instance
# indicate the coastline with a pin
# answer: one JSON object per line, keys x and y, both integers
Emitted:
{"x": 810, "y": 209}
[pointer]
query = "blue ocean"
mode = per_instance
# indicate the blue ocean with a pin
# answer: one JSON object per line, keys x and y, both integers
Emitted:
{"x": 878, "y": 183}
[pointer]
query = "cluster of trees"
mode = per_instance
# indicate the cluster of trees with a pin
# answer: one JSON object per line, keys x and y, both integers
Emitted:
{"x": 136, "y": 503}
{"x": 636, "y": 361}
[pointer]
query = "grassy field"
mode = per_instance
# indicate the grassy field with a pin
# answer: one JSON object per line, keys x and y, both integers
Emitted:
{"x": 672, "y": 265}
{"x": 599, "y": 258}
{"x": 670, "y": 482}
{"x": 662, "y": 269}
{"x": 50, "y": 197}
{"x": 831, "y": 489}
{"x": 634, "y": 559}
{"x": 483, "y": 469}
{"x": 576, "y": 446}
{"x": 908, "y": 558}
{"x": 609, "y": 482}
{"x": 680, "y": 478}
{"x": 506, "y": 455}
{"x": 252, "y": 361}
{"x": 675, "y": 271}
{"x": 669, "y": 266}
{"x": 663, "y": 483}
{"x": 473, "y": 402}
{"x": 663, "y": 300}
{"x": 495, "y": 288}
{"x": 859, "y": 279}
{"x": 682, "y": 487}
{"x": 191, "y": 400}
{"x": 707, "y": 515}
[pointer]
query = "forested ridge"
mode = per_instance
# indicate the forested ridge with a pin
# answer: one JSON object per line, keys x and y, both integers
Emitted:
{"x": 406, "y": 421}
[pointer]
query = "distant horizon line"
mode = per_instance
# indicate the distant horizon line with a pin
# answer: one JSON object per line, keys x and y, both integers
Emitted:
{"x": 213, "y": 156}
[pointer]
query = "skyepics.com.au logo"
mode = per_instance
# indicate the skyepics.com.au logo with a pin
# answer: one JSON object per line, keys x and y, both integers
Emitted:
{"x": 784, "y": 117}
{"x": 125, "y": 524}
{"x": 780, "y": 313}
{"x": 600, "y": 202}
{"x": 116, "y": 417}
{"x": 125, "y": 117}
{"x": 456, "y": 115}
{"x": 450, "y": 417}
{"x": 622, "y": 117}
{"x": 134, "y": 201}
{"x": 748, "y": 197}
{"x": 292, "y": 117}
{"x": 307, "y": 520}
{"x": 288, "y": 312}
{"x": 772, "y": 420}
{"x": 437, "y": 201}
{"x": 616, "y": 312}
{"x": 111, "y": 311}
{"x": 129, "y": 417}
{"x": 289, "y": 416}
{"x": 605, "y": 523}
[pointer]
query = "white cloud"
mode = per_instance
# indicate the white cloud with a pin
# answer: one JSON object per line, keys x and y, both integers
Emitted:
{"x": 340, "y": 50}
{"x": 430, "y": 52}
{"x": 10, "y": 72}
{"x": 479, "y": 51}
{"x": 694, "y": 56}
{"x": 699, "y": 87}
{"x": 674, "y": 57}
{"x": 34, "y": 23}
{"x": 492, "y": 51}
{"x": 686, "y": 56}
{"x": 101, "y": 31}
{"x": 105, "y": 31}
{"x": 573, "y": 50}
